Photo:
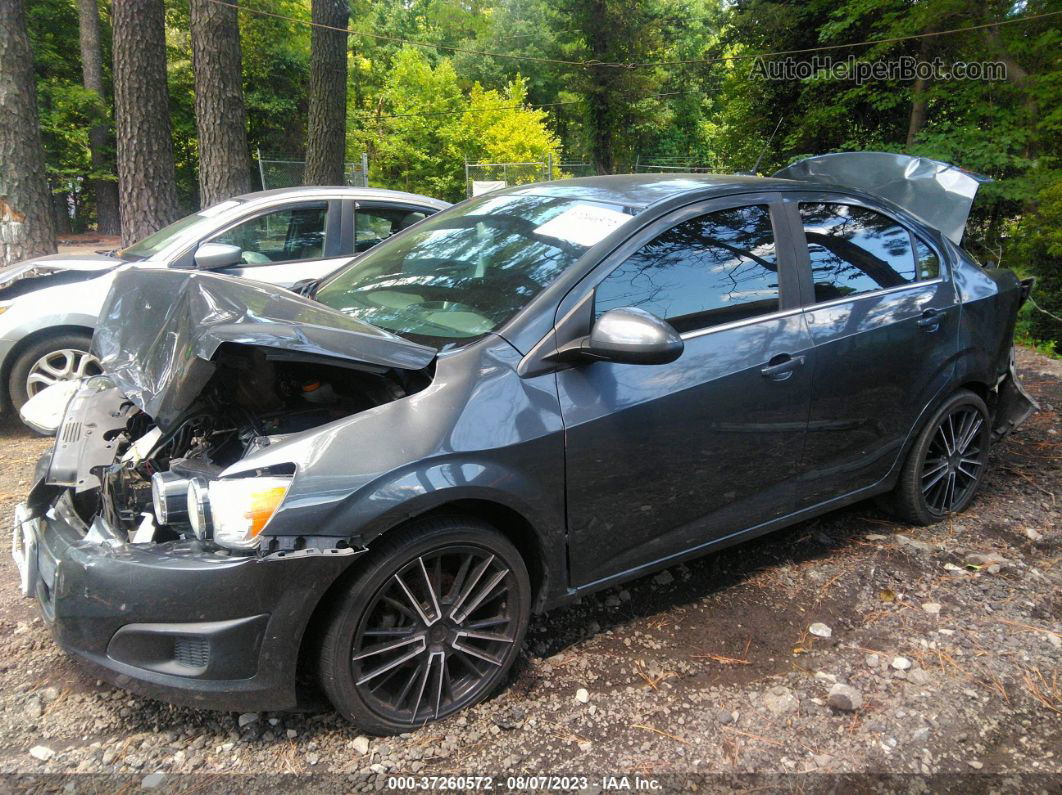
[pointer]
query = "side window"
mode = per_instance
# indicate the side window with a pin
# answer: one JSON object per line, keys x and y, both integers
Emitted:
{"x": 928, "y": 262}
{"x": 855, "y": 250}
{"x": 285, "y": 235}
{"x": 374, "y": 224}
{"x": 713, "y": 269}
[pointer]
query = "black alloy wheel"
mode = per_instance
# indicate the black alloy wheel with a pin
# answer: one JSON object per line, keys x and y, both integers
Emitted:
{"x": 430, "y": 626}
{"x": 947, "y": 463}
{"x": 953, "y": 463}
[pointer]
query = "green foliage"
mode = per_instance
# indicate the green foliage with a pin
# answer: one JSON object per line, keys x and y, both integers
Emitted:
{"x": 426, "y": 127}
{"x": 276, "y": 67}
{"x": 66, "y": 109}
{"x": 468, "y": 92}
{"x": 1010, "y": 131}
{"x": 498, "y": 127}
{"x": 1036, "y": 249}
{"x": 181, "y": 86}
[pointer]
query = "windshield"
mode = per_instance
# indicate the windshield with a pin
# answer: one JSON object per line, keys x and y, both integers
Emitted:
{"x": 153, "y": 244}
{"x": 464, "y": 272}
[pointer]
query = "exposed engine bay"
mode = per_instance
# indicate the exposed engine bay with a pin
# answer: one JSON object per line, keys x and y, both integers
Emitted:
{"x": 255, "y": 396}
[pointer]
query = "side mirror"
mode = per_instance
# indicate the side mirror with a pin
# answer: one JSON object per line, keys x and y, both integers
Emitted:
{"x": 305, "y": 287}
{"x": 211, "y": 256}
{"x": 626, "y": 336}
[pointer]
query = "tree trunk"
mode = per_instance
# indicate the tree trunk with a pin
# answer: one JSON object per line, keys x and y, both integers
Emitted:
{"x": 27, "y": 221}
{"x": 62, "y": 212}
{"x": 919, "y": 103}
{"x": 327, "y": 133}
{"x": 602, "y": 153}
{"x": 105, "y": 191}
{"x": 601, "y": 150}
{"x": 147, "y": 186}
{"x": 220, "y": 114}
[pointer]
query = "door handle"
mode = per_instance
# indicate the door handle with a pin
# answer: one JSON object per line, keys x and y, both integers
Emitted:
{"x": 930, "y": 320}
{"x": 781, "y": 367}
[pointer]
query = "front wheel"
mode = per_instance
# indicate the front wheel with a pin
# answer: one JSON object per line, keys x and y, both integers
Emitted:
{"x": 62, "y": 357}
{"x": 432, "y": 624}
{"x": 947, "y": 462}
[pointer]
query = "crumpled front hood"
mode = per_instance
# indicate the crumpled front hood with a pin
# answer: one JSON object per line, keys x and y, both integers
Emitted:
{"x": 938, "y": 193}
{"x": 56, "y": 263}
{"x": 159, "y": 329}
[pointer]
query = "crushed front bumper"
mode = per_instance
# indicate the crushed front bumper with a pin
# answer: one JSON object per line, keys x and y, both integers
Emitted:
{"x": 174, "y": 621}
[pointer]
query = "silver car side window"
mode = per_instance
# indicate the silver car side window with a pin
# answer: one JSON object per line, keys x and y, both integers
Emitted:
{"x": 292, "y": 233}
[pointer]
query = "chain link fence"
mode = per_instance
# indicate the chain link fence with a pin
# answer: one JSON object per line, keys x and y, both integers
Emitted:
{"x": 668, "y": 165}
{"x": 576, "y": 170}
{"x": 280, "y": 171}
{"x": 482, "y": 178}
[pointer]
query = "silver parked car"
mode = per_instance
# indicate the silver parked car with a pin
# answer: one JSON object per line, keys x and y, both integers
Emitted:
{"x": 49, "y": 305}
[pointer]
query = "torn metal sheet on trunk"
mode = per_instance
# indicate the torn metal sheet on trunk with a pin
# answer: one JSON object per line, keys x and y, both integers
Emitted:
{"x": 938, "y": 193}
{"x": 159, "y": 330}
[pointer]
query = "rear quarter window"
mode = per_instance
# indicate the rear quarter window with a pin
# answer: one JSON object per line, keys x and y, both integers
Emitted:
{"x": 855, "y": 250}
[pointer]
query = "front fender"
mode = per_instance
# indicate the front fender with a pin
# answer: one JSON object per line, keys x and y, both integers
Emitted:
{"x": 478, "y": 432}
{"x": 404, "y": 495}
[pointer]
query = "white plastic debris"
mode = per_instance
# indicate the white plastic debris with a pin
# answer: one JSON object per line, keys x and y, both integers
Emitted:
{"x": 41, "y": 752}
{"x": 820, "y": 630}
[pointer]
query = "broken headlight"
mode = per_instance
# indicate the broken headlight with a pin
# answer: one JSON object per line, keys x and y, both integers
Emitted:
{"x": 234, "y": 511}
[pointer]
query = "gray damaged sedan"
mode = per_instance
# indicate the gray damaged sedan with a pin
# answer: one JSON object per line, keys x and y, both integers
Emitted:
{"x": 365, "y": 491}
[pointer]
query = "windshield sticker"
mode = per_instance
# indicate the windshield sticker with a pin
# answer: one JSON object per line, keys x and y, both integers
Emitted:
{"x": 583, "y": 224}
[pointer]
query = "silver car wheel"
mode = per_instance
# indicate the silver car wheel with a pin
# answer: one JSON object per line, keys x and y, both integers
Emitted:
{"x": 65, "y": 364}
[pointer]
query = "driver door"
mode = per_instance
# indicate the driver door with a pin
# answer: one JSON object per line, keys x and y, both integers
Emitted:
{"x": 287, "y": 244}
{"x": 661, "y": 459}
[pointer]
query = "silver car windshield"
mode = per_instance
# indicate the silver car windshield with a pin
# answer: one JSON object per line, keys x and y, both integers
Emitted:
{"x": 464, "y": 272}
{"x": 153, "y": 244}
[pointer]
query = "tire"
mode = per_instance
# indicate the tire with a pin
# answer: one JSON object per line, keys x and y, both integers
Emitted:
{"x": 393, "y": 656}
{"x": 53, "y": 348}
{"x": 947, "y": 463}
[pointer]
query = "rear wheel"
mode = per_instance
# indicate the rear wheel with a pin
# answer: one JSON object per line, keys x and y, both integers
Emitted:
{"x": 432, "y": 624}
{"x": 947, "y": 462}
{"x": 62, "y": 357}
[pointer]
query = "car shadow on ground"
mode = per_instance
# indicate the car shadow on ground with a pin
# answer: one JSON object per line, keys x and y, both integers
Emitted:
{"x": 748, "y": 605}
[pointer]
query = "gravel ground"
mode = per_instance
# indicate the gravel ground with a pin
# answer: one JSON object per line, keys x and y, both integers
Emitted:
{"x": 848, "y": 644}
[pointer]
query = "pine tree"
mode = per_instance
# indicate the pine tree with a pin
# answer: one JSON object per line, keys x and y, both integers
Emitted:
{"x": 220, "y": 114}
{"x": 327, "y": 130}
{"x": 105, "y": 191}
{"x": 147, "y": 185}
{"x": 27, "y": 223}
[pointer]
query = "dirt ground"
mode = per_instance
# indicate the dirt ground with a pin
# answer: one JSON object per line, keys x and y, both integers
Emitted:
{"x": 948, "y": 638}
{"x": 87, "y": 243}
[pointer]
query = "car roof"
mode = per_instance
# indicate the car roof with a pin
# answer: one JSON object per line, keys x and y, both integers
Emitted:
{"x": 341, "y": 191}
{"x": 638, "y": 191}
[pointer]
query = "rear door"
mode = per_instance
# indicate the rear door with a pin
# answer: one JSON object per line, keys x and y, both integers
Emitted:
{"x": 661, "y": 459}
{"x": 882, "y": 312}
{"x": 374, "y": 222}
